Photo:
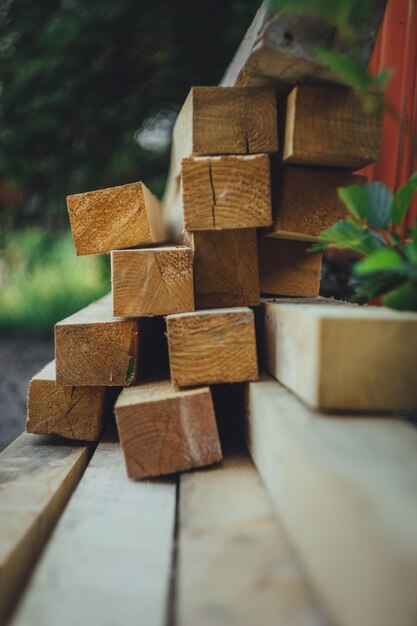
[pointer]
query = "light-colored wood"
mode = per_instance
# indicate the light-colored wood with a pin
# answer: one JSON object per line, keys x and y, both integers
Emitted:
{"x": 286, "y": 268}
{"x": 37, "y": 477}
{"x": 225, "y": 268}
{"x": 281, "y": 48}
{"x": 329, "y": 126}
{"x": 153, "y": 281}
{"x": 358, "y": 358}
{"x": 71, "y": 412}
{"x": 109, "y": 560}
{"x": 94, "y": 348}
{"x": 163, "y": 430}
{"x": 305, "y": 201}
{"x": 117, "y": 217}
{"x": 235, "y": 565}
{"x": 346, "y": 490}
{"x": 214, "y": 346}
{"x": 226, "y": 192}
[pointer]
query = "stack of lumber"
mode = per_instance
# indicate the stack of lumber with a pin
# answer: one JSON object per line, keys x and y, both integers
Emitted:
{"x": 253, "y": 180}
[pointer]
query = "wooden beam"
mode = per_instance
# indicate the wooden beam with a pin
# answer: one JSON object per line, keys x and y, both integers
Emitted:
{"x": 281, "y": 48}
{"x": 117, "y": 217}
{"x": 347, "y": 357}
{"x": 94, "y": 348}
{"x": 215, "y": 346}
{"x": 109, "y": 560}
{"x": 37, "y": 479}
{"x": 329, "y": 126}
{"x": 153, "y": 281}
{"x": 164, "y": 431}
{"x": 345, "y": 490}
{"x": 235, "y": 565}
{"x": 225, "y": 268}
{"x": 71, "y": 412}
{"x": 226, "y": 192}
{"x": 305, "y": 201}
{"x": 286, "y": 268}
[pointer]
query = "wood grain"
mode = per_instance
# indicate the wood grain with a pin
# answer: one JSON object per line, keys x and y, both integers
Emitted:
{"x": 280, "y": 48}
{"x": 305, "y": 201}
{"x": 94, "y": 348}
{"x": 163, "y": 430}
{"x": 109, "y": 559}
{"x": 117, "y": 217}
{"x": 345, "y": 489}
{"x": 71, "y": 412}
{"x": 37, "y": 477}
{"x": 226, "y": 192}
{"x": 347, "y": 357}
{"x": 153, "y": 281}
{"x": 235, "y": 565}
{"x": 286, "y": 268}
{"x": 215, "y": 346}
{"x": 225, "y": 268}
{"x": 329, "y": 126}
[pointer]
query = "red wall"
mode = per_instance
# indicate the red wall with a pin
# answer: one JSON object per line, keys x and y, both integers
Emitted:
{"x": 396, "y": 47}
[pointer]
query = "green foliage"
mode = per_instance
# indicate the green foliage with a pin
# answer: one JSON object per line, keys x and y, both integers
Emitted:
{"x": 389, "y": 266}
{"x": 44, "y": 281}
{"x": 79, "y": 79}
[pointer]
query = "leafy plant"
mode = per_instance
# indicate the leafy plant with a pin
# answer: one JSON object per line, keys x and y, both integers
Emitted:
{"x": 388, "y": 268}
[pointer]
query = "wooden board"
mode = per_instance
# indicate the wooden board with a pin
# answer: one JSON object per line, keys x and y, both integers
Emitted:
{"x": 214, "y": 346}
{"x": 225, "y": 268}
{"x": 37, "y": 477}
{"x": 163, "y": 430}
{"x": 346, "y": 490}
{"x": 286, "y": 268}
{"x": 344, "y": 357}
{"x": 109, "y": 560}
{"x": 280, "y": 48}
{"x": 153, "y": 281}
{"x": 329, "y": 126}
{"x": 226, "y": 192}
{"x": 117, "y": 217}
{"x": 235, "y": 565}
{"x": 305, "y": 201}
{"x": 71, "y": 412}
{"x": 94, "y": 348}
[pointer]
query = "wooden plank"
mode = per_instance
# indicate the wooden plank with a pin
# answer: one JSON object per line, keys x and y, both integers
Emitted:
{"x": 347, "y": 357}
{"x": 225, "y": 268}
{"x": 153, "y": 281}
{"x": 345, "y": 489}
{"x": 281, "y": 48}
{"x": 71, "y": 412}
{"x": 329, "y": 126}
{"x": 94, "y": 348}
{"x": 286, "y": 268}
{"x": 305, "y": 201}
{"x": 226, "y": 192}
{"x": 214, "y": 346}
{"x": 163, "y": 430}
{"x": 37, "y": 477}
{"x": 109, "y": 560}
{"x": 117, "y": 217}
{"x": 235, "y": 565}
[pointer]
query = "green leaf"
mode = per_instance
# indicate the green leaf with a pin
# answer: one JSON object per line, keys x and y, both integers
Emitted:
{"x": 369, "y": 286}
{"x": 355, "y": 199}
{"x": 382, "y": 79}
{"x": 385, "y": 259}
{"x": 347, "y": 234}
{"x": 403, "y": 298}
{"x": 402, "y": 199}
{"x": 352, "y": 71}
{"x": 378, "y": 212}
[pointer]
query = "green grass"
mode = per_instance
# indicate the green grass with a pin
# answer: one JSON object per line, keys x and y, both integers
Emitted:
{"x": 42, "y": 280}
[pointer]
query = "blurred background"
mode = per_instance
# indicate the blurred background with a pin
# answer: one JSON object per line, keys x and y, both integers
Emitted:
{"x": 89, "y": 92}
